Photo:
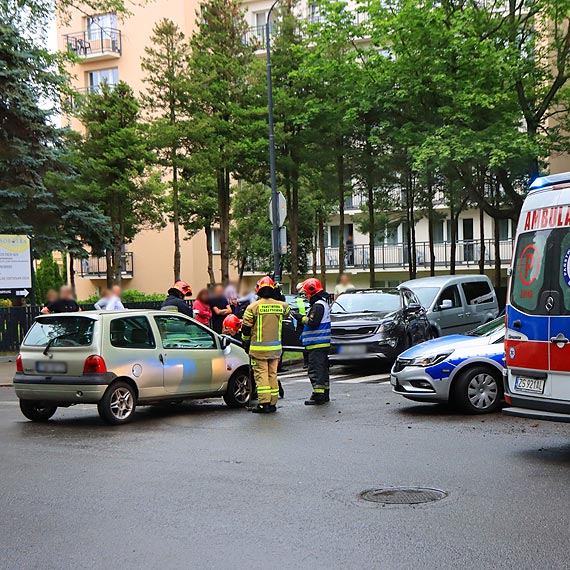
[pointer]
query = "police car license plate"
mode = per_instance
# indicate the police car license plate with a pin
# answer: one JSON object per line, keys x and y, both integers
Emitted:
{"x": 534, "y": 385}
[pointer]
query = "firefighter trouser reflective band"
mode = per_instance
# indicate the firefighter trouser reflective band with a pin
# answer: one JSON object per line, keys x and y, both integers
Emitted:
{"x": 265, "y": 374}
{"x": 319, "y": 369}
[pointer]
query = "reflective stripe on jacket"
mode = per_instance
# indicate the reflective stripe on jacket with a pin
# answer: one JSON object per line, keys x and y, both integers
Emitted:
{"x": 265, "y": 318}
{"x": 320, "y": 336}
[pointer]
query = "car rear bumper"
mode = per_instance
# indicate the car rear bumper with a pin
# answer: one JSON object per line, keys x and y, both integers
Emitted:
{"x": 538, "y": 408}
{"x": 416, "y": 384}
{"x": 87, "y": 389}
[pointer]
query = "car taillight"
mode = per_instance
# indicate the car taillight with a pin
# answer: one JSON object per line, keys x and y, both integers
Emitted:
{"x": 94, "y": 364}
{"x": 19, "y": 364}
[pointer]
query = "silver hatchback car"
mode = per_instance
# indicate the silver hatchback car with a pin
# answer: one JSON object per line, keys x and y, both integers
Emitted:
{"x": 121, "y": 359}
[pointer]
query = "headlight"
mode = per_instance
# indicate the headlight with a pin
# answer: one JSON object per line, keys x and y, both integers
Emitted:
{"x": 425, "y": 361}
{"x": 386, "y": 327}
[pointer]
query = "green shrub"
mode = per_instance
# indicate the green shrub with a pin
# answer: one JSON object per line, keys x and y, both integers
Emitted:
{"x": 5, "y": 303}
{"x": 130, "y": 296}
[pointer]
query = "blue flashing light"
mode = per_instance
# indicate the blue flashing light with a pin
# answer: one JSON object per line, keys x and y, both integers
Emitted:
{"x": 543, "y": 181}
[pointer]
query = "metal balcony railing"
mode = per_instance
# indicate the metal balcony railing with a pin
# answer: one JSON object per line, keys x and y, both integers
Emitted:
{"x": 95, "y": 44}
{"x": 96, "y": 267}
{"x": 396, "y": 256}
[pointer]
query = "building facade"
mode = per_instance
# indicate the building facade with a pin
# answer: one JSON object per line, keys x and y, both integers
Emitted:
{"x": 110, "y": 50}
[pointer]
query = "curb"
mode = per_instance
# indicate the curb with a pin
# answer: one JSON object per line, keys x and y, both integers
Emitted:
{"x": 7, "y": 385}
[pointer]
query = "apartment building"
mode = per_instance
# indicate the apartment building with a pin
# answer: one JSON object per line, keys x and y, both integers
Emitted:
{"x": 111, "y": 50}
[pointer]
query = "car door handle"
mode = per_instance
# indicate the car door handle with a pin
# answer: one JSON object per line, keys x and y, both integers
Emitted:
{"x": 467, "y": 314}
{"x": 559, "y": 339}
{"x": 161, "y": 358}
{"x": 459, "y": 316}
{"x": 517, "y": 324}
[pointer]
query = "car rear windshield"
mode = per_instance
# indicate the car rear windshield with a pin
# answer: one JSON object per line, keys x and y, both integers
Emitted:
{"x": 387, "y": 302}
{"x": 61, "y": 331}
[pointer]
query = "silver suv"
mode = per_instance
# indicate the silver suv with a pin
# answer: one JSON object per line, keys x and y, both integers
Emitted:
{"x": 121, "y": 359}
{"x": 456, "y": 304}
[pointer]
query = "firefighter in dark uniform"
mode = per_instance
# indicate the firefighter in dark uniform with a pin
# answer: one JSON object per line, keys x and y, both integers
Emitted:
{"x": 316, "y": 339}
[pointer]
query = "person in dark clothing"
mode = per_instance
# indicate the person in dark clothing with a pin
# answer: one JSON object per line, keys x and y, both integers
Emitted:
{"x": 175, "y": 300}
{"x": 220, "y": 308}
{"x": 65, "y": 304}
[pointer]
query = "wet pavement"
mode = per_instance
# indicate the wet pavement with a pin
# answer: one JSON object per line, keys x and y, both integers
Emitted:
{"x": 200, "y": 486}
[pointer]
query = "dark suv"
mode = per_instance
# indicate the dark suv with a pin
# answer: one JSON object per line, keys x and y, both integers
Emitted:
{"x": 376, "y": 324}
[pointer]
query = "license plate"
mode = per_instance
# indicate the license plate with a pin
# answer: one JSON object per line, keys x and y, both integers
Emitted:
{"x": 534, "y": 385}
{"x": 352, "y": 349}
{"x": 393, "y": 380}
{"x": 51, "y": 367}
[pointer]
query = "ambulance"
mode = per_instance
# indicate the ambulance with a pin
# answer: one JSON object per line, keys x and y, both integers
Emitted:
{"x": 537, "y": 340}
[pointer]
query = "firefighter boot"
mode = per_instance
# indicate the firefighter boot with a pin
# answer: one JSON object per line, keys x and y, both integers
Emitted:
{"x": 262, "y": 409}
{"x": 316, "y": 399}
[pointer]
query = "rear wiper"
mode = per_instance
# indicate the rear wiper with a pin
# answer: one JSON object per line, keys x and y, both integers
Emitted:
{"x": 54, "y": 338}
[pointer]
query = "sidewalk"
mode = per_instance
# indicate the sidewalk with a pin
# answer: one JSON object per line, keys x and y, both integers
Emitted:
{"x": 7, "y": 370}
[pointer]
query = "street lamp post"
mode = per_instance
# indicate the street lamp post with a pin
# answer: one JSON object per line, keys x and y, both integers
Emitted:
{"x": 272, "y": 168}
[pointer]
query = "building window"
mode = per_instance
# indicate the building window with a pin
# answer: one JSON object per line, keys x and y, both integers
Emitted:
{"x": 95, "y": 79}
{"x": 448, "y": 226}
{"x": 216, "y": 241}
{"x": 314, "y": 15}
{"x": 437, "y": 227}
{"x": 504, "y": 229}
{"x": 391, "y": 235}
{"x": 101, "y": 26}
{"x": 260, "y": 19}
{"x": 334, "y": 236}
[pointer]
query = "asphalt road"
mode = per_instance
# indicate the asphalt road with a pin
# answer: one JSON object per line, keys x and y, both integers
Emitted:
{"x": 203, "y": 487}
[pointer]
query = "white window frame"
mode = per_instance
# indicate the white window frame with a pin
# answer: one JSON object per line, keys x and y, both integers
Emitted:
{"x": 213, "y": 233}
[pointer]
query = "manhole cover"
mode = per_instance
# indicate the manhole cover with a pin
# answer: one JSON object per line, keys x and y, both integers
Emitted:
{"x": 403, "y": 495}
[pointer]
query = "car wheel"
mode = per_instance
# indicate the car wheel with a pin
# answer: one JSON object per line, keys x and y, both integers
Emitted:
{"x": 478, "y": 391}
{"x": 37, "y": 411}
{"x": 238, "y": 393}
{"x": 118, "y": 404}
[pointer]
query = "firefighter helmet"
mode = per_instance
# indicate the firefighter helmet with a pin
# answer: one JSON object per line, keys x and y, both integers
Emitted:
{"x": 231, "y": 325}
{"x": 264, "y": 282}
{"x": 312, "y": 287}
{"x": 183, "y": 287}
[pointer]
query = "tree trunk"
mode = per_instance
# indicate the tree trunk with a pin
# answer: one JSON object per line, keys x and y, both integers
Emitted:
{"x": 109, "y": 265}
{"x": 294, "y": 222}
{"x": 117, "y": 261}
{"x": 497, "y": 238}
{"x": 411, "y": 205}
{"x": 431, "y": 236}
{"x": 71, "y": 271}
{"x": 482, "y": 239}
{"x": 209, "y": 251}
{"x": 224, "y": 212}
{"x": 322, "y": 251}
{"x": 453, "y": 252}
{"x": 371, "y": 212}
{"x": 340, "y": 182}
{"x": 176, "y": 221}
{"x": 315, "y": 247}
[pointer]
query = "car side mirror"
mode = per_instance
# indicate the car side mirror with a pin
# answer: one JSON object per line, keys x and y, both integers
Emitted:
{"x": 224, "y": 342}
{"x": 446, "y": 304}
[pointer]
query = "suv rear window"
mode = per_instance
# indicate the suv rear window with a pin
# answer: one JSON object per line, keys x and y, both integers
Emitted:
{"x": 61, "y": 331}
{"x": 477, "y": 292}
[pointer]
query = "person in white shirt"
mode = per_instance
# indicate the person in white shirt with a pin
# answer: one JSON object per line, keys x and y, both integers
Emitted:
{"x": 111, "y": 300}
{"x": 343, "y": 285}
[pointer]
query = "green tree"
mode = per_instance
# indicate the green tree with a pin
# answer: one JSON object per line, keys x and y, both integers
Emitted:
{"x": 167, "y": 103}
{"x": 221, "y": 85}
{"x": 48, "y": 276}
{"x": 114, "y": 169}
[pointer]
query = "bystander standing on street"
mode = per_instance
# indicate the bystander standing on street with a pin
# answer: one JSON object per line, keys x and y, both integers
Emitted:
{"x": 220, "y": 308}
{"x": 201, "y": 308}
{"x": 64, "y": 304}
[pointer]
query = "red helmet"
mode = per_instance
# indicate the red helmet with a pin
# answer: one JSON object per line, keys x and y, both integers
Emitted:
{"x": 312, "y": 287}
{"x": 231, "y": 324}
{"x": 183, "y": 287}
{"x": 264, "y": 282}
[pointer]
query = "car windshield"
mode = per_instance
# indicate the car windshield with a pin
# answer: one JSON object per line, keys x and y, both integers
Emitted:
{"x": 61, "y": 331}
{"x": 426, "y": 295}
{"x": 489, "y": 329}
{"x": 385, "y": 302}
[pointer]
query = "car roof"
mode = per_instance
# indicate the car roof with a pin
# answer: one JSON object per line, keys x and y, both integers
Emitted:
{"x": 441, "y": 280}
{"x": 390, "y": 290}
{"x": 126, "y": 312}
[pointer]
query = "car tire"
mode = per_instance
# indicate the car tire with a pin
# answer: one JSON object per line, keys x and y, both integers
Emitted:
{"x": 37, "y": 411}
{"x": 478, "y": 390}
{"x": 239, "y": 390}
{"x": 118, "y": 404}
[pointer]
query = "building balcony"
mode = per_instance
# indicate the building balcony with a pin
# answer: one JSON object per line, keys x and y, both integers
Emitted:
{"x": 396, "y": 256}
{"x": 96, "y": 267}
{"x": 95, "y": 45}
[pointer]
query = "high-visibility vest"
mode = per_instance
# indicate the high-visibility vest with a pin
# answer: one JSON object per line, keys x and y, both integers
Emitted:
{"x": 301, "y": 306}
{"x": 319, "y": 337}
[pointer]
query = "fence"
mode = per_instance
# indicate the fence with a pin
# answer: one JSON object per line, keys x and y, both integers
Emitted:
{"x": 16, "y": 321}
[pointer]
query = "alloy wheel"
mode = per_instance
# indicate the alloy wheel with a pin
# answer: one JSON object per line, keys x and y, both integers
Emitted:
{"x": 242, "y": 389}
{"x": 121, "y": 403}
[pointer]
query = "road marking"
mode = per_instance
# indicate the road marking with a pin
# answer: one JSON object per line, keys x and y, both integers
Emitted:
{"x": 366, "y": 379}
